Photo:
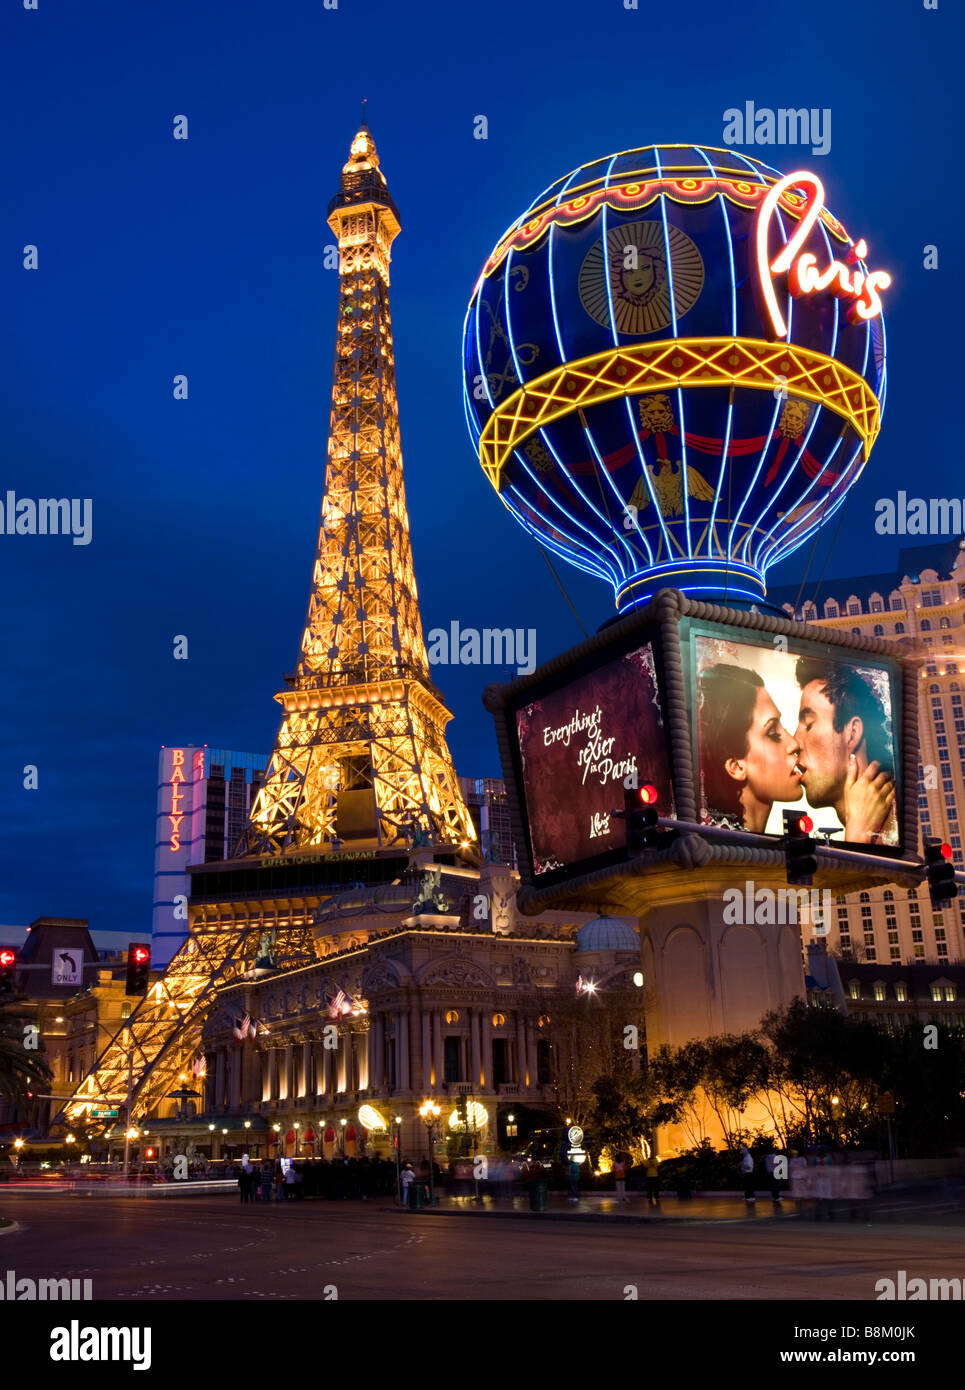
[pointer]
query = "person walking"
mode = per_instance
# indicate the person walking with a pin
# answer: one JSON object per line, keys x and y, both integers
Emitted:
{"x": 266, "y": 1182}
{"x": 244, "y": 1182}
{"x": 651, "y": 1171}
{"x": 407, "y": 1179}
{"x": 620, "y": 1177}
{"x": 773, "y": 1182}
{"x": 747, "y": 1172}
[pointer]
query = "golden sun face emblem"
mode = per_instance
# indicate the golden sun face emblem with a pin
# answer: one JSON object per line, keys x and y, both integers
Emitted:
{"x": 631, "y": 288}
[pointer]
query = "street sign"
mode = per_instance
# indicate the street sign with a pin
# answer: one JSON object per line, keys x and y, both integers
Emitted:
{"x": 103, "y": 1114}
{"x": 67, "y": 967}
{"x": 886, "y": 1103}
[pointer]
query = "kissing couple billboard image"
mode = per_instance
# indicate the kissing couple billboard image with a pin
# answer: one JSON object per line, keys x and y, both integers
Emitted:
{"x": 780, "y": 727}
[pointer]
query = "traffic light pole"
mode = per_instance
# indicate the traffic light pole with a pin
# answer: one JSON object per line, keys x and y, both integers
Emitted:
{"x": 127, "y": 1112}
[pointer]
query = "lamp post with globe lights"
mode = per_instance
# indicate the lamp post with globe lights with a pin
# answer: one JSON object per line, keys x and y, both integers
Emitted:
{"x": 430, "y": 1112}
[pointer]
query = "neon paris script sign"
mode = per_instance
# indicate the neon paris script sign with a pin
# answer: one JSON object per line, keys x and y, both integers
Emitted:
{"x": 804, "y": 277}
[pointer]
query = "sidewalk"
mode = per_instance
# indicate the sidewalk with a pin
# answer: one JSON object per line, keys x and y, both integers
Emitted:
{"x": 603, "y": 1206}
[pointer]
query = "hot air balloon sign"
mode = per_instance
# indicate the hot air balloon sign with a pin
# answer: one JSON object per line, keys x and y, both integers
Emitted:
{"x": 674, "y": 369}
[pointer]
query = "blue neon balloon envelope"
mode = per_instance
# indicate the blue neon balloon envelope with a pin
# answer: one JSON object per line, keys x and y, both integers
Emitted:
{"x": 627, "y": 389}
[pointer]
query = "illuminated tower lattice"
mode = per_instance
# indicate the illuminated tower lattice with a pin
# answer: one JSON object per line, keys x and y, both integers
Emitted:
{"x": 361, "y": 754}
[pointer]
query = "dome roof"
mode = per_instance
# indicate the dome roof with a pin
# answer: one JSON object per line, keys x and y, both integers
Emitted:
{"x": 608, "y": 934}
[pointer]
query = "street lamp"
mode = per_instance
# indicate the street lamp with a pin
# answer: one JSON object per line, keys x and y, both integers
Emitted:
{"x": 430, "y": 1112}
{"x": 343, "y": 1122}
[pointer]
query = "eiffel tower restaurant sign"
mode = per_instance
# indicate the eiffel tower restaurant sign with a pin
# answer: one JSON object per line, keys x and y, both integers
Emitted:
{"x": 674, "y": 369}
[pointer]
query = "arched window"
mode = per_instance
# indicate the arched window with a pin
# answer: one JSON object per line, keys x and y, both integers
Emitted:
{"x": 854, "y": 606}
{"x": 864, "y": 898}
{"x": 830, "y": 608}
{"x": 810, "y": 611}
{"x": 888, "y": 895}
{"x": 879, "y": 630}
{"x": 896, "y": 601}
{"x": 899, "y": 627}
{"x": 925, "y": 625}
{"x": 856, "y": 632}
{"x": 943, "y": 622}
{"x": 876, "y": 603}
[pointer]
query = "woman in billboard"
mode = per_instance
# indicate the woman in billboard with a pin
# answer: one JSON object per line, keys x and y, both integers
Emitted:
{"x": 748, "y": 758}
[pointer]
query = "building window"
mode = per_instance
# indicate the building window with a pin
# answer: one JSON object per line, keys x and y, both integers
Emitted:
{"x": 896, "y": 603}
{"x": 500, "y": 1067}
{"x": 879, "y": 630}
{"x": 949, "y": 994}
{"x": 901, "y": 992}
{"x": 856, "y": 632}
{"x": 452, "y": 1058}
{"x": 854, "y": 607}
{"x": 876, "y": 604}
{"x": 925, "y": 625}
{"x": 879, "y": 993}
{"x": 936, "y": 993}
{"x": 871, "y": 953}
{"x": 544, "y": 1070}
{"x": 452, "y": 1016}
{"x": 854, "y": 989}
{"x": 499, "y": 1020}
{"x": 125, "y": 1011}
{"x": 830, "y": 608}
{"x": 899, "y": 628}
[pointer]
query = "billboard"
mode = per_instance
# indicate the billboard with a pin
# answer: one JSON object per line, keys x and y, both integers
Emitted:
{"x": 783, "y": 723}
{"x": 579, "y": 745}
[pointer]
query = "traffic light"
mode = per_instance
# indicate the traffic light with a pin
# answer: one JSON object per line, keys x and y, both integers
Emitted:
{"x": 799, "y": 857}
{"x": 640, "y": 811}
{"x": 941, "y": 873}
{"x": 8, "y": 963}
{"x": 138, "y": 968}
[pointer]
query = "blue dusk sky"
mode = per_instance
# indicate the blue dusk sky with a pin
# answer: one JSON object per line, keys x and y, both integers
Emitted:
{"x": 205, "y": 257}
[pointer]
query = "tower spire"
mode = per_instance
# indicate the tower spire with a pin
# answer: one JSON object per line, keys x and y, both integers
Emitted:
{"x": 361, "y": 755}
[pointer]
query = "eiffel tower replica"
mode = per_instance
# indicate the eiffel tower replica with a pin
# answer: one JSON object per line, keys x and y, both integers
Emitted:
{"x": 361, "y": 755}
{"x": 360, "y": 767}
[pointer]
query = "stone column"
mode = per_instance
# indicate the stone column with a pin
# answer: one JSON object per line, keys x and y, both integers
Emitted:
{"x": 474, "y": 1049}
{"x": 426, "y": 1053}
{"x": 412, "y": 1024}
{"x": 304, "y": 1089}
{"x": 521, "y": 1060}
{"x": 344, "y": 1043}
{"x": 487, "y": 1050}
{"x": 531, "y": 1053}
{"x": 403, "y": 1074}
{"x": 437, "y": 1070}
{"x": 219, "y": 1080}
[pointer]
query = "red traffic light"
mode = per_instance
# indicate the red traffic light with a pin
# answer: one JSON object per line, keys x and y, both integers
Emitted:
{"x": 7, "y": 957}
{"x": 648, "y": 795}
{"x": 141, "y": 954}
{"x": 946, "y": 851}
{"x": 805, "y": 825}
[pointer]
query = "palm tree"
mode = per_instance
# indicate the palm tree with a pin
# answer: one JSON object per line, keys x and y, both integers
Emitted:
{"x": 22, "y": 1068}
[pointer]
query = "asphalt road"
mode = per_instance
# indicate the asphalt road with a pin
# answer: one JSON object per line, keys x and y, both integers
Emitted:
{"x": 201, "y": 1248}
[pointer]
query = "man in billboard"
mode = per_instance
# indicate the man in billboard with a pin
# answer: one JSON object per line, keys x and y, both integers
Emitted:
{"x": 845, "y": 752}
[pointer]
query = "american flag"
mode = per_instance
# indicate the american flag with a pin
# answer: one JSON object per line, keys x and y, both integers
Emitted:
{"x": 241, "y": 1027}
{"x": 199, "y": 1066}
{"x": 335, "y": 1008}
{"x": 579, "y": 984}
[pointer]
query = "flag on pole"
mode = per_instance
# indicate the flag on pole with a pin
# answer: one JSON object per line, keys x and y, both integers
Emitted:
{"x": 337, "y": 1007}
{"x": 241, "y": 1028}
{"x": 199, "y": 1066}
